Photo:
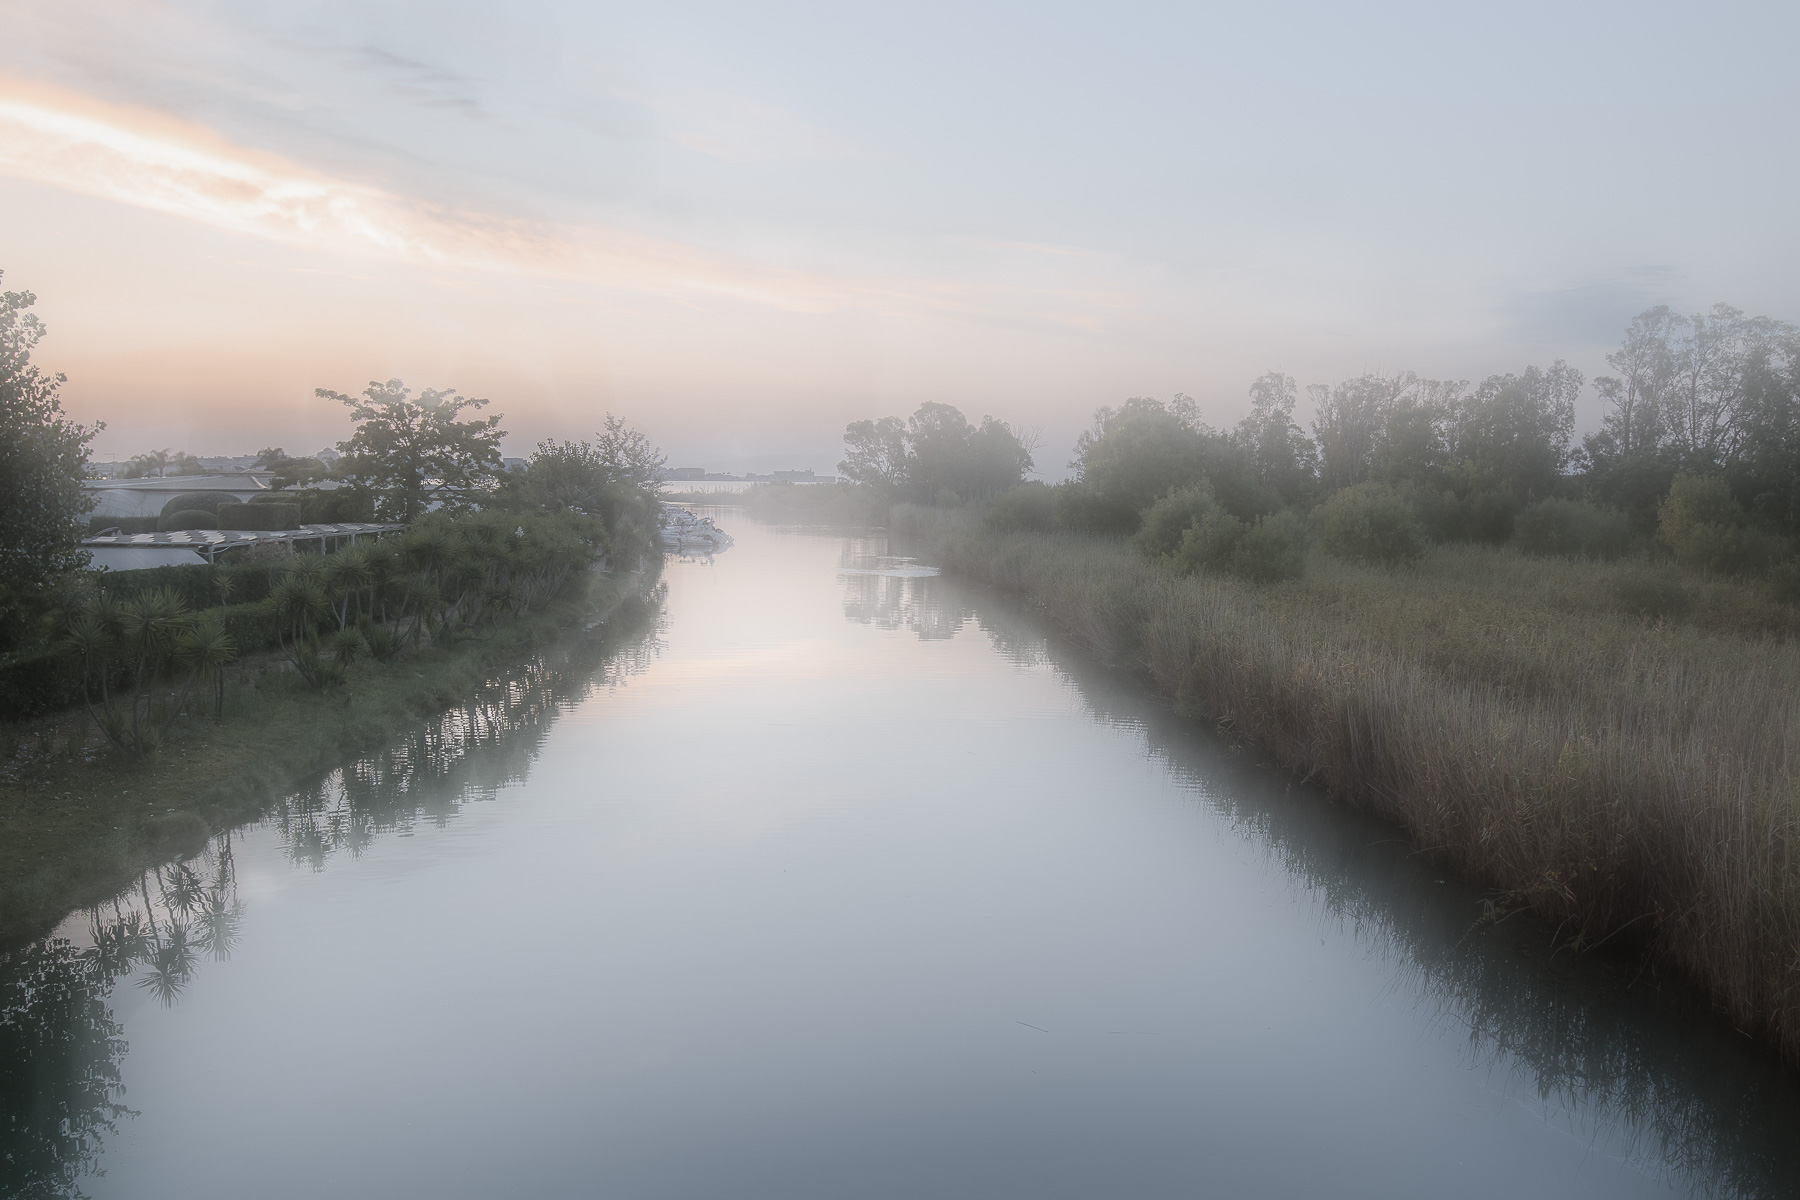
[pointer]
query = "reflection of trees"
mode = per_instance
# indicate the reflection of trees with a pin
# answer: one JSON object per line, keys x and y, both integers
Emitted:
{"x": 60, "y": 1049}
{"x": 918, "y": 603}
{"x": 463, "y": 755}
{"x": 1585, "y": 1035}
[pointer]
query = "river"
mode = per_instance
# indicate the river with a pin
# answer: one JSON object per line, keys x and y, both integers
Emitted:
{"x": 840, "y": 880}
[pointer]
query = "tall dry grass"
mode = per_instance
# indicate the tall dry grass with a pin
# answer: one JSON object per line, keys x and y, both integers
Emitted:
{"x": 1614, "y": 775}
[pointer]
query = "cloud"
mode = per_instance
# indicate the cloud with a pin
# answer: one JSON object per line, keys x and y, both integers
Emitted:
{"x": 1593, "y": 314}
{"x": 155, "y": 162}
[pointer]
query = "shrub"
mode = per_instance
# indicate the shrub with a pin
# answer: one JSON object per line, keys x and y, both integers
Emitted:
{"x": 259, "y": 516}
{"x": 1264, "y": 550}
{"x": 207, "y": 502}
{"x": 1028, "y": 508}
{"x": 1371, "y": 523}
{"x": 194, "y": 518}
{"x": 1572, "y": 529}
{"x": 1702, "y": 522}
{"x": 1081, "y": 509}
{"x": 1163, "y": 523}
{"x": 1647, "y": 592}
{"x": 1784, "y": 583}
{"x": 1273, "y": 548}
{"x": 1479, "y": 517}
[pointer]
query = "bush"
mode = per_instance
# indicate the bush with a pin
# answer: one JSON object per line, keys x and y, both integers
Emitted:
{"x": 1028, "y": 508}
{"x": 1480, "y": 517}
{"x": 1273, "y": 548}
{"x": 193, "y": 518}
{"x": 259, "y": 516}
{"x": 1370, "y": 523}
{"x": 1572, "y": 529}
{"x": 1702, "y": 522}
{"x": 1081, "y": 509}
{"x": 207, "y": 502}
{"x": 1264, "y": 550}
{"x": 1161, "y": 528}
{"x": 1650, "y": 593}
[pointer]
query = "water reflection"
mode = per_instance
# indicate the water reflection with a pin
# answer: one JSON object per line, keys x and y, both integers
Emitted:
{"x": 1598, "y": 1045}
{"x": 61, "y": 1048}
{"x": 894, "y": 592}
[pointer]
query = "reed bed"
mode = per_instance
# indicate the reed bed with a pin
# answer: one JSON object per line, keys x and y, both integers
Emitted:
{"x": 1620, "y": 778}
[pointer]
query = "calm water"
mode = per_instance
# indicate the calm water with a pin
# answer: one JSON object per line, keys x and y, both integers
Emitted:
{"x": 838, "y": 883}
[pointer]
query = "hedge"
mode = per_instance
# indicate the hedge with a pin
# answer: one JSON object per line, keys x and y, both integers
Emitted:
{"x": 193, "y": 518}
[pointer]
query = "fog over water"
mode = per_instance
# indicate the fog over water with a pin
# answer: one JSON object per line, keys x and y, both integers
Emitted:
{"x": 840, "y": 879}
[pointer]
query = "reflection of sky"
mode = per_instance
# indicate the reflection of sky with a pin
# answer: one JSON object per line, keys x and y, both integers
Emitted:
{"x": 745, "y": 226}
{"x": 817, "y": 907}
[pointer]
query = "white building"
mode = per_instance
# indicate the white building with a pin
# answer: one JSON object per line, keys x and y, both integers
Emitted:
{"x": 147, "y": 497}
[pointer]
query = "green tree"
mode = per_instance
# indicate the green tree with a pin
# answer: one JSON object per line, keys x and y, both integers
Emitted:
{"x": 42, "y": 457}
{"x": 1276, "y": 451}
{"x": 413, "y": 454}
{"x": 159, "y": 463}
{"x": 875, "y": 454}
{"x": 288, "y": 470}
{"x": 1512, "y": 433}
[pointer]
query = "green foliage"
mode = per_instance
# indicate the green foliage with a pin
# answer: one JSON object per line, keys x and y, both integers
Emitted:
{"x": 265, "y": 517}
{"x": 1081, "y": 509}
{"x": 1164, "y": 523}
{"x": 1263, "y": 550}
{"x": 1573, "y": 529}
{"x": 1702, "y": 522}
{"x": 140, "y": 658}
{"x": 1650, "y": 593}
{"x": 1030, "y": 507}
{"x": 1370, "y": 523}
{"x": 413, "y": 453}
{"x": 1138, "y": 452}
{"x": 1485, "y": 516}
{"x": 290, "y": 471}
{"x": 160, "y": 464}
{"x": 42, "y": 458}
{"x": 935, "y": 457}
{"x": 207, "y": 502}
{"x": 194, "y": 518}
{"x": 613, "y": 478}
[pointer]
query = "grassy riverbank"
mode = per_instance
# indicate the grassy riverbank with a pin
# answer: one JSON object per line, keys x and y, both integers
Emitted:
{"x": 1621, "y": 777}
{"x": 79, "y": 821}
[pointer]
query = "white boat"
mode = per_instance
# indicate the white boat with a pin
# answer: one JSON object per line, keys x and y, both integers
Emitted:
{"x": 684, "y": 532}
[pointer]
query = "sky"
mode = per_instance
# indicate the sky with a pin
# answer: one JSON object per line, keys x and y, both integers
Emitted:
{"x": 742, "y": 226}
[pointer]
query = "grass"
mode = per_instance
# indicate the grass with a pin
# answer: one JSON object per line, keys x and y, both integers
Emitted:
{"x": 78, "y": 822}
{"x": 1620, "y": 777}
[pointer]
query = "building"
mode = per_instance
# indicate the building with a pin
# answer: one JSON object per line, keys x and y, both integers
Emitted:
{"x": 148, "y": 497}
{"x": 186, "y": 547}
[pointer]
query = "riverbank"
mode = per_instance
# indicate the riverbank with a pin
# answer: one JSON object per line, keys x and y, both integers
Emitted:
{"x": 1622, "y": 778}
{"x": 78, "y": 822}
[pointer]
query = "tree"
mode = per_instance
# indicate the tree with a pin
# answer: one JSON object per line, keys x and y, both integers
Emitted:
{"x": 935, "y": 455}
{"x": 1513, "y": 432}
{"x": 42, "y": 457}
{"x": 414, "y": 454}
{"x": 1136, "y": 453}
{"x": 613, "y": 478}
{"x": 289, "y": 471}
{"x": 875, "y": 454}
{"x": 1276, "y": 450}
{"x": 158, "y": 463}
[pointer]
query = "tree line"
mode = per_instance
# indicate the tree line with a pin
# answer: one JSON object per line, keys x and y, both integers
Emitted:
{"x": 1698, "y": 453}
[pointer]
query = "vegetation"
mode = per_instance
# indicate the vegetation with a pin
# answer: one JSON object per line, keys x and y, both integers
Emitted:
{"x": 42, "y": 457}
{"x": 414, "y": 453}
{"x": 935, "y": 456}
{"x": 77, "y": 823}
{"x": 1621, "y": 778}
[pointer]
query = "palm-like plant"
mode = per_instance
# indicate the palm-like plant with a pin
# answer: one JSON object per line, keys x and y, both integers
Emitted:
{"x": 130, "y": 650}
